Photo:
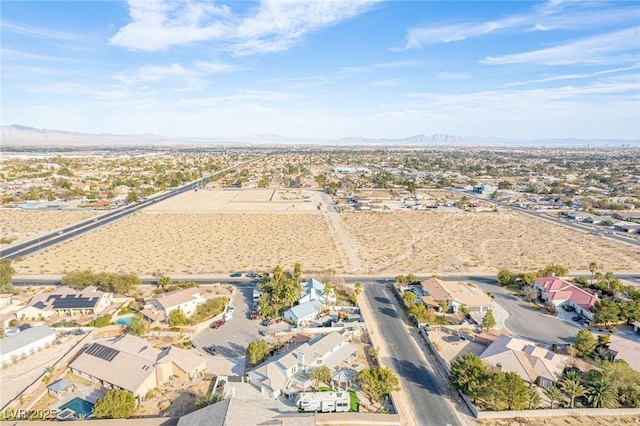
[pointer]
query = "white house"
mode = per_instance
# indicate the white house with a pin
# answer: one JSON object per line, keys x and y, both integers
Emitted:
{"x": 65, "y": 301}
{"x": 288, "y": 372}
{"x": 304, "y": 312}
{"x": 158, "y": 309}
{"x": 25, "y": 343}
{"x": 314, "y": 290}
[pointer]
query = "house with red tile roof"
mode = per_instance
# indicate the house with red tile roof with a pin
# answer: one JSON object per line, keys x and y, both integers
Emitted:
{"x": 559, "y": 292}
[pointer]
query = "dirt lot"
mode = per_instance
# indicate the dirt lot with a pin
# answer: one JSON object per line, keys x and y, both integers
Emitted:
{"x": 218, "y": 231}
{"x": 195, "y": 243}
{"x": 25, "y": 224}
{"x": 565, "y": 421}
{"x": 433, "y": 241}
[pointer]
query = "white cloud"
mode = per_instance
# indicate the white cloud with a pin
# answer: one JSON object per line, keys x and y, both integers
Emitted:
{"x": 39, "y": 32}
{"x": 154, "y": 73}
{"x": 215, "y": 67}
{"x": 418, "y": 37}
{"x": 27, "y": 56}
{"x": 390, "y": 82}
{"x": 604, "y": 48}
{"x": 453, "y": 75}
{"x": 553, "y": 15}
{"x": 240, "y": 96}
{"x": 59, "y": 89}
{"x": 272, "y": 26}
{"x": 572, "y": 76}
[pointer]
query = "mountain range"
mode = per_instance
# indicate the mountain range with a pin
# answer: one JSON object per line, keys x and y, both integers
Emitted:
{"x": 19, "y": 135}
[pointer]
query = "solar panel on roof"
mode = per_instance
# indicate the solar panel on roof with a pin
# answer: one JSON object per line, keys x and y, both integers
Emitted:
{"x": 102, "y": 352}
{"x": 74, "y": 302}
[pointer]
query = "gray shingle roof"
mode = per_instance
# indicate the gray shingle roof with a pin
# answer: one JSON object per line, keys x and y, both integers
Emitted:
{"x": 26, "y": 337}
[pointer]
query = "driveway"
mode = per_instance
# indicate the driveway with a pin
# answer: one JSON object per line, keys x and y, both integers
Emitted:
{"x": 233, "y": 337}
{"x": 527, "y": 322}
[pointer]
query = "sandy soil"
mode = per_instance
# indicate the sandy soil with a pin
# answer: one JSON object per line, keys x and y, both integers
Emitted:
{"x": 423, "y": 242}
{"x": 218, "y": 231}
{"x": 564, "y": 421}
{"x": 25, "y": 224}
{"x": 194, "y": 243}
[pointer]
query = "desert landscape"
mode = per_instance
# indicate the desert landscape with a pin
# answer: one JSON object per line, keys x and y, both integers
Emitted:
{"x": 459, "y": 242}
{"x": 219, "y": 231}
{"x": 19, "y": 225}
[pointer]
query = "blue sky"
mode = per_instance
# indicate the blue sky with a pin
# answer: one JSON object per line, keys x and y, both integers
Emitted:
{"x": 324, "y": 69}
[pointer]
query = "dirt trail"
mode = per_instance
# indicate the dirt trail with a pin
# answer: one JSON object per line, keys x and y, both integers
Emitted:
{"x": 345, "y": 243}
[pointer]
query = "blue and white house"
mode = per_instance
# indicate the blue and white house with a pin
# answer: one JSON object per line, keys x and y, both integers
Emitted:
{"x": 314, "y": 290}
{"x": 311, "y": 301}
{"x": 304, "y": 312}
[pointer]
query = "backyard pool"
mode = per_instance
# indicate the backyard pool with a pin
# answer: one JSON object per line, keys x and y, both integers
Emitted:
{"x": 124, "y": 320}
{"x": 78, "y": 406}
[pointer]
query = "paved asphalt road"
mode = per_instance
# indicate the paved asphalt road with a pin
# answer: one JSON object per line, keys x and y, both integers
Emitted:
{"x": 527, "y": 322}
{"x": 417, "y": 377}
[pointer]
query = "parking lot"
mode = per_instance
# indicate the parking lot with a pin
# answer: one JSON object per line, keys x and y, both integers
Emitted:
{"x": 232, "y": 338}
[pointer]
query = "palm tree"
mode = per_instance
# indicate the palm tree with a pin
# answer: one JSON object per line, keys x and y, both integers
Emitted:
{"x": 572, "y": 386}
{"x": 533, "y": 398}
{"x": 553, "y": 393}
{"x": 165, "y": 282}
{"x": 297, "y": 273}
{"x": 593, "y": 267}
{"x": 291, "y": 292}
{"x": 601, "y": 395}
{"x": 357, "y": 291}
{"x": 328, "y": 291}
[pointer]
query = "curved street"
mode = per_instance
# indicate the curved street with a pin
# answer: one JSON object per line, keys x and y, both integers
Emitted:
{"x": 527, "y": 322}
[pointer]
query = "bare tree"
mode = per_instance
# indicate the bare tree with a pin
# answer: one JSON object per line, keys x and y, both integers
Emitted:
{"x": 530, "y": 293}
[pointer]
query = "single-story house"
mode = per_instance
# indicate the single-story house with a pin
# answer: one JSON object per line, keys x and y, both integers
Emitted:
{"x": 304, "y": 312}
{"x": 532, "y": 361}
{"x": 455, "y": 295}
{"x": 559, "y": 292}
{"x": 625, "y": 349}
{"x": 25, "y": 342}
{"x": 65, "y": 301}
{"x": 133, "y": 364}
{"x": 158, "y": 309}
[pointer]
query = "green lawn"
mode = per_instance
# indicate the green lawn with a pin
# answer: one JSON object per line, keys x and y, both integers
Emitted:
{"x": 354, "y": 404}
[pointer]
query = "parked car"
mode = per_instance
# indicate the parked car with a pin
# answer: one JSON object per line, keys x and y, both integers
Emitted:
{"x": 227, "y": 316}
{"x": 236, "y": 274}
{"x": 212, "y": 350}
{"x": 568, "y": 308}
{"x": 217, "y": 324}
{"x": 252, "y": 275}
{"x": 271, "y": 321}
{"x": 577, "y": 318}
{"x": 253, "y": 315}
{"x": 231, "y": 309}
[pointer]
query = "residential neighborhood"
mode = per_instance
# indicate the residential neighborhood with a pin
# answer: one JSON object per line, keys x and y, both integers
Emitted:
{"x": 417, "y": 272}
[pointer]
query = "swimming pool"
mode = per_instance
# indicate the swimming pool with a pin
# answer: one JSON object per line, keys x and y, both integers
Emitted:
{"x": 124, "y": 321}
{"x": 79, "y": 406}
